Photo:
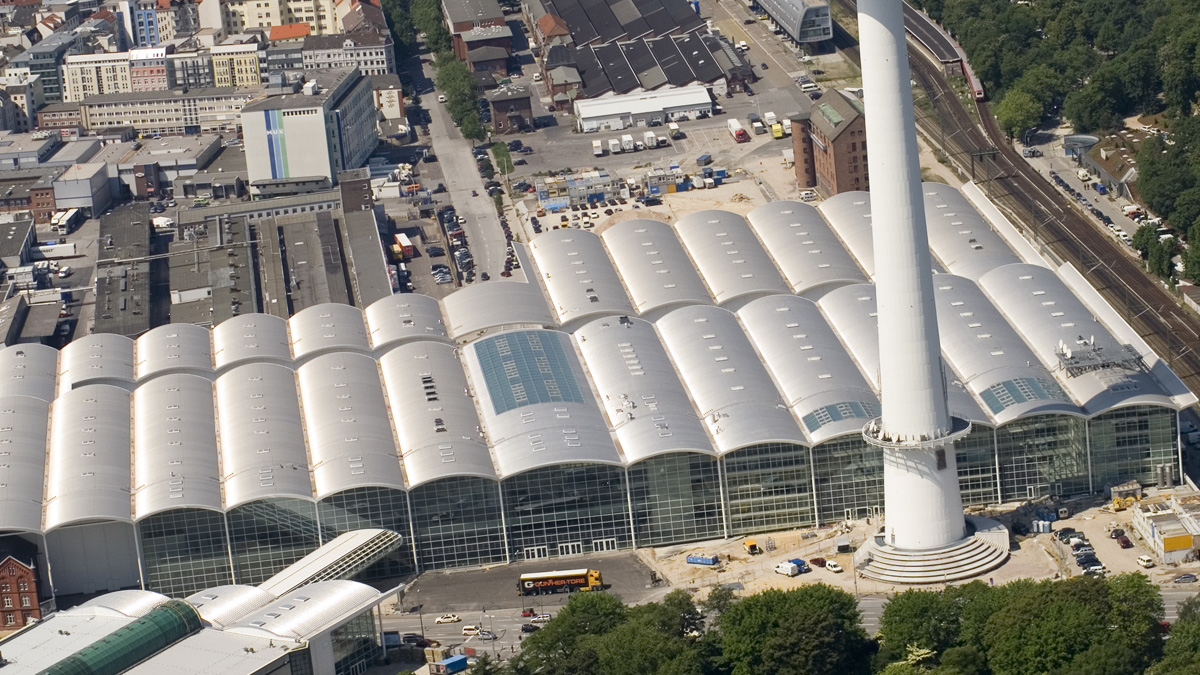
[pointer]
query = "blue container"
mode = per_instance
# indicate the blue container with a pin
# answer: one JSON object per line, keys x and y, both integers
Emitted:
{"x": 704, "y": 160}
{"x": 702, "y": 560}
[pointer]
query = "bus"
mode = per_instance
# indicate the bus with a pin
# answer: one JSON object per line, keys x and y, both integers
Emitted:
{"x": 65, "y": 221}
{"x": 565, "y": 581}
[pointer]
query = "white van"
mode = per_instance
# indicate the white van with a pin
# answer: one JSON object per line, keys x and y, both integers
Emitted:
{"x": 808, "y": 195}
{"x": 788, "y": 569}
{"x": 537, "y": 77}
{"x": 809, "y": 87}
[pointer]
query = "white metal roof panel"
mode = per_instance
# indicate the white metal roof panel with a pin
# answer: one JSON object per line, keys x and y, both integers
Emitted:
{"x": 474, "y": 309}
{"x": 1046, "y": 313}
{"x": 22, "y": 462}
{"x": 434, "y": 414}
{"x": 851, "y": 313}
{"x": 347, "y": 424}
{"x": 959, "y": 236}
{"x": 332, "y": 556}
{"x": 328, "y": 326}
{"x": 87, "y": 472}
{"x": 849, "y": 214}
{"x": 578, "y": 276}
{"x": 819, "y": 380}
{"x": 402, "y": 317}
{"x": 223, "y": 605}
{"x": 643, "y": 102}
{"x": 216, "y": 651}
{"x": 730, "y": 259}
{"x": 251, "y": 338}
{"x": 536, "y": 405}
{"x": 639, "y": 390}
{"x": 29, "y": 370}
{"x": 175, "y": 347}
{"x": 804, "y": 247}
{"x": 261, "y": 442}
{"x": 174, "y": 445}
{"x": 133, "y": 603}
{"x": 656, "y": 270}
{"x": 992, "y": 359}
{"x": 737, "y": 401}
{"x": 306, "y": 612}
{"x": 103, "y": 358}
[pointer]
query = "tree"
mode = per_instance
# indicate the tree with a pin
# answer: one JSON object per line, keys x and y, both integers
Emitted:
{"x": 1188, "y": 610}
{"x": 719, "y": 599}
{"x": 924, "y": 619}
{"x": 1161, "y": 257}
{"x": 560, "y": 648}
{"x": 486, "y": 666}
{"x": 1017, "y": 112}
{"x": 962, "y": 661}
{"x": 1144, "y": 239}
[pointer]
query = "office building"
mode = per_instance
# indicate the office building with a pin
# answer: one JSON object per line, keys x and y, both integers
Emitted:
{"x": 25, "y": 92}
{"x": 45, "y": 60}
{"x": 149, "y": 69}
{"x": 372, "y": 53}
{"x": 279, "y": 131}
{"x": 829, "y": 142}
{"x": 803, "y": 21}
{"x": 238, "y": 65}
{"x": 166, "y": 113}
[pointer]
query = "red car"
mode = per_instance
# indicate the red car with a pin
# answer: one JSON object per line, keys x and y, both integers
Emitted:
{"x": 528, "y": 611}
{"x": 1123, "y": 540}
{"x": 817, "y": 562}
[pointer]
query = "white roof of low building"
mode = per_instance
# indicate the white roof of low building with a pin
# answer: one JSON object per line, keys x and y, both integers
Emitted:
{"x": 1037, "y": 302}
{"x": 223, "y": 605}
{"x": 70, "y": 630}
{"x": 87, "y": 472}
{"x": 100, "y": 357}
{"x": 29, "y": 370}
{"x": 403, "y": 317}
{"x": 656, "y": 270}
{"x": 308, "y": 611}
{"x": 472, "y": 310}
{"x": 578, "y": 276}
{"x": 730, "y": 259}
{"x": 262, "y": 443}
{"x": 818, "y": 378}
{"x": 216, "y": 651}
{"x": 329, "y": 326}
{"x": 639, "y": 390}
{"x": 175, "y": 347}
{"x": 434, "y": 414}
{"x": 737, "y": 401}
{"x": 962, "y": 239}
{"x": 992, "y": 359}
{"x": 22, "y": 462}
{"x": 643, "y": 102}
{"x": 804, "y": 247}
{"x": 174, "y": 446}
{"x": 251, "y": 338}
{"x": 347, "y": 424}
{"x": 536, "y": 405}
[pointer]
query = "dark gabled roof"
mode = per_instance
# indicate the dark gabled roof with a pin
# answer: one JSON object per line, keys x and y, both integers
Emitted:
{"x": 582, "y": 30}
{"x": 683, "y": 15}
{"x": 638, "y": 55}
{"x": 595, "y": 80}
{"x": 671, "y": 61}
{"x": 487, "y": 53}
{"x": 619, "y": 73}
{"x": 659, "y": 20}
{"x": 603, "y": 20}
{"x": 558, "y": 55}
{"x": 697, "y": 56}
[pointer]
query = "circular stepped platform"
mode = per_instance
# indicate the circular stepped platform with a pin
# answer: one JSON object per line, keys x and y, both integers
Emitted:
{"x": 983, "y": 551}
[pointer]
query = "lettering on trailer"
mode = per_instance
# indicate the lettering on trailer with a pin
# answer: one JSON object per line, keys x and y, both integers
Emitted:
{"x": 544, "y": 583}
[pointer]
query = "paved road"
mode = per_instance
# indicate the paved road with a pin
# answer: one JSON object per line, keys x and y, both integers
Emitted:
{"x": 484, "y": 236}
{"x": 922, "y": 28}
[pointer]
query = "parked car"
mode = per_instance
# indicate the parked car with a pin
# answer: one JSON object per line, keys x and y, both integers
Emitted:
{"x": 484, "y": 276}
{"x": 1124, "y": 542}
{"x": 529, "y": 628}
{"x": 525, "y": 150}
{"x": 1184, "y": 579}
{"x": 519, "y": 162}
{"x": 1084, "y": 550}
{"x": 447, "y": 618}
{"x": 435, "y": 251}
{"x": 487, "y": 635}
{"x": 764, "y": 66}
{"x": 413, "y": 639}
{"x": 832, "y": 566}
{"x": 817, "y": 562}
{"x": 541, "y": 618}
{"x": 1145, "y": 561}
{"x": 1116, "y": 533}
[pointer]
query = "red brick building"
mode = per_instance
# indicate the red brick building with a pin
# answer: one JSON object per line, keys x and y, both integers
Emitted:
{"x": 830, "y": 143}
{"x": 18, "y": 584}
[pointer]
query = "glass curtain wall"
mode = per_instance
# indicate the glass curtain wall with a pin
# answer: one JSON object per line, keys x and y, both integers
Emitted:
{"x": 976, "y": 458}
{"x": 768, "y": 487}
{"x": 267, "y": 535}
{"x": 676, "y": 498}
{"x": 184, "y": 551}
{"x": 1042, "y": 455}
{"x": 566, "y": 509}
{"x": 849, "y": 477}
{"x": 355, "y": 645}
{"x": 1131, "y": 443}
{"x": 457, "y": 523}
{"x": 370, "y": 508}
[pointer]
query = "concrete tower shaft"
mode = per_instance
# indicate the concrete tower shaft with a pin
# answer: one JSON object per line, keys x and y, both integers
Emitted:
{"x": 922, "y": 502}
{"x": 913, "y": 391}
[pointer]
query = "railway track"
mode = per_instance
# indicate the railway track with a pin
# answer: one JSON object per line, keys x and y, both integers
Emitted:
{"x": 1040, "y": 210}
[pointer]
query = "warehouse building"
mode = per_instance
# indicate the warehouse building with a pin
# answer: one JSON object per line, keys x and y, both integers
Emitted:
{"x": 655, "y": 384}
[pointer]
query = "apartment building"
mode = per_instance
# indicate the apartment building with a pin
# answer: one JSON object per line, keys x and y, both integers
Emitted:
{"x": 45, "y": 60}
{"x": 830, "y": 144}
{"x": 94, "y": 74}
{"x": 25, "y": 92}
{"x": 238, "y": 65}
{"x": 149, "y": 69}
{"x": 371, "y": 52}
{"x": 229, "y": 17}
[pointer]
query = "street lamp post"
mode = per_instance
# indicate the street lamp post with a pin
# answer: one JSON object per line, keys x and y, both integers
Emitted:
{"x": 420, "y": 613}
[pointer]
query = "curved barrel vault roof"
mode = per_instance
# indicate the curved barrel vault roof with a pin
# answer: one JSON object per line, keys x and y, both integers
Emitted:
{"x": 811, "y": 257}
{"x": 473, "y": 310}
{"x": 174, "y": 446}
{"x": 22, "y": 462}
{"x": 175, "y": 347}
{"x": 251, "y": 338}
{"x": 578, "y": 276}
{"x": 403, "y": 317}
{"x": 99, "y": 358}
{"x": 730, "y": 259}
{"x": 29, "y": 370}
{"x": 87, "y": 468}
{"x": 330, "y": 326}
{"x": 656, "y": 270}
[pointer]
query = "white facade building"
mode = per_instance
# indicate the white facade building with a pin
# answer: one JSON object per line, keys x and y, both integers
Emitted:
{"x": 94, "y": 74}
{"x": 613, "y": 113}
